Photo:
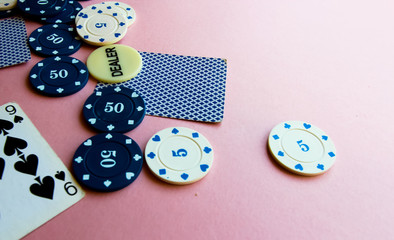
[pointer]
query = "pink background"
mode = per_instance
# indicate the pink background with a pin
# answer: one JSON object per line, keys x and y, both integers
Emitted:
{"x": 330, "y": 63}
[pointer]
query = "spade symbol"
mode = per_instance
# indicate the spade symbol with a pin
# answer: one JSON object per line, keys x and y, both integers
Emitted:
{"x": 43, "y": 189}
{"x": 18, "y": 119}
{"x": 13, "y": 145}
{"x": 2, "y": 166}
{"x": 60, "y": 175}
{"x": 5, "y": 125}
{"x": 29, "y": 166}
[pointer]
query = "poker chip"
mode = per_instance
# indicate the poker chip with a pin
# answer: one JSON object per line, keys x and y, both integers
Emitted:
{"x": 122, "y": 8}
{"x": 179, "y": 155}
{"x": 7, "y": 13}
{"x": 59, "y": 76}
{"x": 68, "y": 14}
{"x": 302, "y": 148}
{"x": 7, "y": 4}
{"x": 54, "y": 39}
{"x": 101, "y": 26}
{"x": 41, "y": 7}
{"x": 114, "y": 109}
{"x": 107, "y": 162}
{"x": 114, "y": 63}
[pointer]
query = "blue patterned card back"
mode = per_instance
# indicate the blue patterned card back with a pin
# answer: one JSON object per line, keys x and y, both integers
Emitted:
{"x": 182, "y": 87}
{"x": 13, "y": 42}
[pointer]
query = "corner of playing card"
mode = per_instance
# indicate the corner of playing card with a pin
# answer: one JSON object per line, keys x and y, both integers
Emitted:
{"x": 35, "y": 185}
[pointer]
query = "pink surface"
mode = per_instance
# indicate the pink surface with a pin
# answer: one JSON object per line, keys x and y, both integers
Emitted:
{"x": 326, "y": 62}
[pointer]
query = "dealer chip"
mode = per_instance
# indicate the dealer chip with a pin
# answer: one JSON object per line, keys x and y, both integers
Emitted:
{"x": 59, "y": 76}
{"x": 7, "y": 4}
{"x": 54, "y": 39}
{"x": 114, "y": 63}
{"x": 302, "y": 148}
{"x": 68, "y": 14}
{"x": 179, "y": 155}
{"x": 107, "y": 162}
{"x": 101, "y": 26}
{"x": 114, "y": 109}
{"x": 42, "y": 7}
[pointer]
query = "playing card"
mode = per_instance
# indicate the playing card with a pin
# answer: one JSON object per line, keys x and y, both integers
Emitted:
{"x": 35, "y": 185}
{"x": 13, "y": 42}
{"x": 182, "y": 87}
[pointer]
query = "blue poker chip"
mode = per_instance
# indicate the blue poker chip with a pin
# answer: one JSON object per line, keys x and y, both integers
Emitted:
{"x": 8, "y": 13}
{"x": 59, "y": 76}
{"x": 41, "y": 7}
{"x": 114, "y": 109}
{"x": 107, "y": 162}
{"x": 54, "y": 39}
{"x": 67, "y": 15}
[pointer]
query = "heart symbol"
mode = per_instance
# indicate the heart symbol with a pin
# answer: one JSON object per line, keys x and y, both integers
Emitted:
{"x": 299, "y": 167}
{"x": 43, "y": 189}
{"x": 156, "y": 138}
{"x": 92, "y": 120}
{"x": 287, "y": 126}
{"x": 2, "y": 166}
{"x": 320, "y": 166}
{"x": 280, "y": 153}
{"x": 207, "y": 149}
{"x": 324, "y": 137}
{"x": 184, "y": 176}
{"x": 129, "y": 175}
{"x": 101, "y": 39}
{"x": 204, "y": 167}
{"x": 18, "y": 119}
{"x": 60, "y": 175}
{"x": 175, "y": 131}
{"x": 107, "y": 183}
{"x": 88, "y": 142}
{"x": 307, "y": 126}
{"x": 117, "y": 34}
{"x": 151, "y": 155}
{"x": 29, "y": 166}
{"x": 134, "y": 95}
{"x": 41, "y": 87}
{"x": 99, "y": 11}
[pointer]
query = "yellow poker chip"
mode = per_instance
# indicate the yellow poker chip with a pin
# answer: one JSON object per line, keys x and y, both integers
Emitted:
{"x": 114, "y": 63}
{"x": 7, "y": 4}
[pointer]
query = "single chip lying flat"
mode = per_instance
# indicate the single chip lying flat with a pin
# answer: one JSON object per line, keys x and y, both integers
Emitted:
{"x": 302, "y": 148}
{"x": 179, "y": 155}
{"x": 114, "y": 109}
{"x": 114, "y": 63}
{"x": 107, "y": 162}
{"x": 59, "y": 76}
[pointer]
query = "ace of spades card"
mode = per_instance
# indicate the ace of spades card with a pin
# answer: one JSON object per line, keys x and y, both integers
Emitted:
{"x": 35, "y": 186}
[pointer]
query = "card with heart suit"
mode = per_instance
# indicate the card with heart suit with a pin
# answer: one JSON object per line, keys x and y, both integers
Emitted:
{"x": 35, "y": 186}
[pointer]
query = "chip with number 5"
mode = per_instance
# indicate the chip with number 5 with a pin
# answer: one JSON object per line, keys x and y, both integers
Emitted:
{"x": 179, "y": 155}
{"x": 302, "y": 148}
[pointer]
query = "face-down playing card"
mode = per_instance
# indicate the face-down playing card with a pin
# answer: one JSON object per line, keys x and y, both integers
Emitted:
{"x": 182, "y": 87}
{"x": 35, "y": 185}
